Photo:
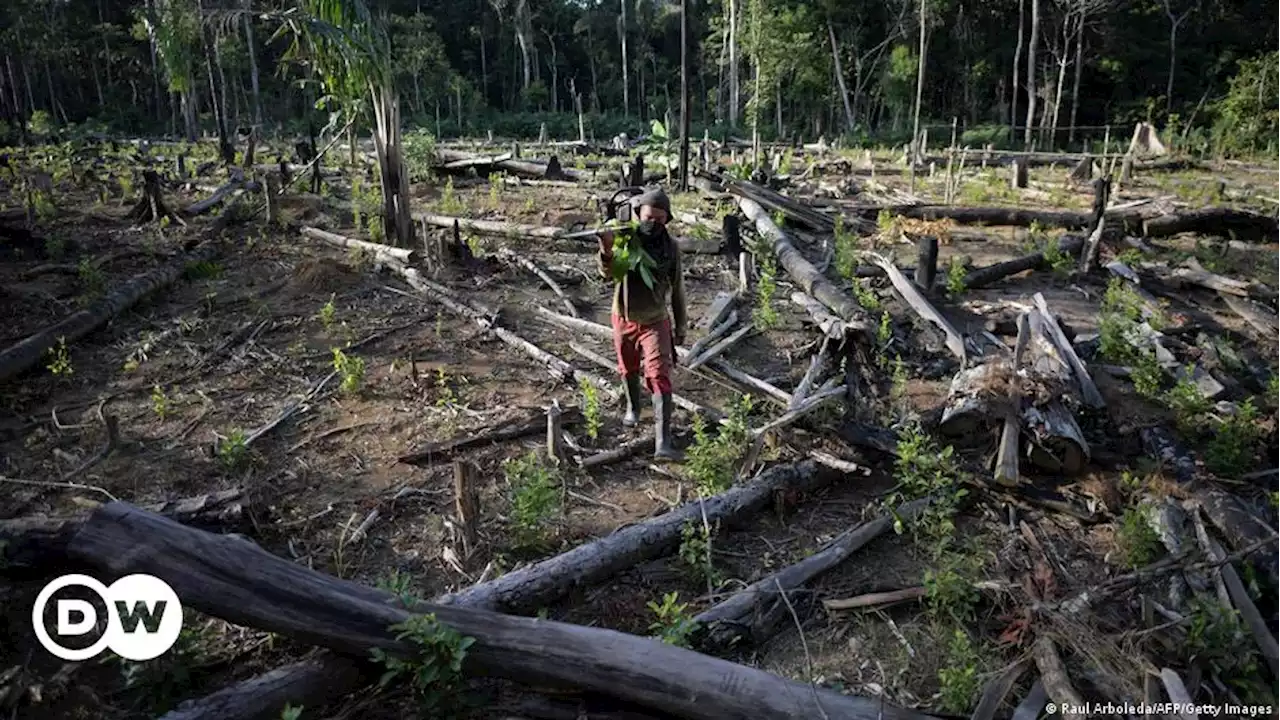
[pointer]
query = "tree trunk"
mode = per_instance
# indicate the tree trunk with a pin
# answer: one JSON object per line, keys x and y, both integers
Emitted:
{"x": 684, "y": 95}
{"x": 155, "y": 70}
{"x": 484, "y": 59}
{"x": 1031, "y": 71}
{"x": 253, "y": 70}
{"x": 734, "y": 90}
{"x": 622, "y": 39}
{"x": 225, "y": 148}
{"x": 1075, "y": 83}
{"x": 396, "y": 218}
{"x": 106, "y": 51}
{"x": 189, "y": 119}
{"x": 1063, "y": 59}
{"x": 916, "y": 150}
{"x": 839, "y": 70}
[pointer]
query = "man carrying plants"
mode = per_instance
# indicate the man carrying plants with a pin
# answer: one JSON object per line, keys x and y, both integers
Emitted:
{"x": 644, "y": 263}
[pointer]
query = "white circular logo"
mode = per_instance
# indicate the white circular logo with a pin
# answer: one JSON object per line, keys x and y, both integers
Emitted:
{"x": 144, "y": 617}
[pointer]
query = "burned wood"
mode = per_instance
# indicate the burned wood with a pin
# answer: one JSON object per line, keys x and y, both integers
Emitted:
{"x": 1006, "y": 470}
{"x": 719, "y": 309}
{"x": 41, "y": 543}
{"x": 752, "y": 615}
{"x": 921, "y": 306}
{"x": 1101, "y": 191}
{"x": 1068, "y": 245}
{"x": 221, "y": 194}
{"x": 1053, "y": 675}
{"x": 1088, "y": 390}
{"x": 22, "y": 356}
{"x": 793, "y": 210}
{"x": 444, "y": 450}
{"x": 996, "y": 689}
{"x": 694, "y": 362}
{"x": 926, "y": 263}
{"x": 681, "y": 401}
{"x": 803, "y": 272}
{"x": 1262, "y": 321}
{"x": 622, "y": 452}
{"x": 1222, "y": 221}
{"x": 550, "y": 170}
{"x": 716, "y": 333}
{"x": 243, "y": 584}
{"x": 151, "y": 207}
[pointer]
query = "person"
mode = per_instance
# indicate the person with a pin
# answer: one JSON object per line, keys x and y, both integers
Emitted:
{"x": 644, "y": 333}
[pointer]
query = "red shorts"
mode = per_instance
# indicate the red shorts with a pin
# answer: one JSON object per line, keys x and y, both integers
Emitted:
{"x": 647, "y": 345}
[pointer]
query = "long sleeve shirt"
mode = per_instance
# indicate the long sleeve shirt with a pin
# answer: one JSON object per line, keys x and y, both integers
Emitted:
{"x": 634, "y": 301}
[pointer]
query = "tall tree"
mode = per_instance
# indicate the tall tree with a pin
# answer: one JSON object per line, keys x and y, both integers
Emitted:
{"x": 1031, "y": 71}
{"x": 1175, "y": 20}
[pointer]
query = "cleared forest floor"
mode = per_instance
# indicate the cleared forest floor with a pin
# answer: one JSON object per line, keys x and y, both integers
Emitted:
{"x": 191, "y": 373}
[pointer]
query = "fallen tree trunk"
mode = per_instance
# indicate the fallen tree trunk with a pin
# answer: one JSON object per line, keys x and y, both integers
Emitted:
{"x": 911, "y": 295}
{"x": 222, "y": 193}
{"x": 41, "y": 542}
{"x": 718, "y": 365}
{"x": 1264, "y": 322}
{"x": 403, "y": 255}
{"x": 792, "y": 209}
{"x": 1068, "y": 244}
{"x": 751, "y": 616}
{"x": 1222, "y": 221}
{"x": 532, "y": 267}
{"x": 243, "y": 584}
{"x": 803, "y": 272}
{"x": 22, "y": 356}
{"x": 1020, "y": 217}
{"x": 491, "y": 227}
{"x": 444, "y": 451}
{"x": 1238, "y": 525}
{"x": 550, "y": 170}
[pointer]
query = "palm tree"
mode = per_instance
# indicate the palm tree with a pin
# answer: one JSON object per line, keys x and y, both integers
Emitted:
{"x": 348, "y": 51}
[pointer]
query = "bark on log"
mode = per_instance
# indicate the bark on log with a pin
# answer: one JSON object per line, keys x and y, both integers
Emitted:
{"x": 530, "y": 588}
{"x": 921, "y": 306}
{"x": 23, "y": 355}
{"x": 318, "y": 681}
{"x": 926, "y": 263}
{"x": 1054, "y": 677}
{"x": 1222, "y": 221}
{"x": 803, "y": 272}
{"x": 491, "y": 227}
{"x": 716, "y": 333}
{"x": 550, "y": 170}
{"x": 752, "y": 615}
{"x": 243, "y": 584}
{"x": 222, "y": 193}
{"x": 1088, "y": 390}
{"x": 402, "y": 255}
{"x": 444, "y": 451}
{"x": 41, "y": 542}
{"x": 793, "y": 210}
{"x": 1001, "y": 216}
{"x": 1264, "y": 322}
{"x": 982, "y": 277}
{"x": 1238, "y": 525}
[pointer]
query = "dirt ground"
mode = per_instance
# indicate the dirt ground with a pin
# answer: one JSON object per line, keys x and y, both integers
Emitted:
{"x": 226, "y": 350}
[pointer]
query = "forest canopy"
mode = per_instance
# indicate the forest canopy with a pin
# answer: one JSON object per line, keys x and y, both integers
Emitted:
{"x": 1207, "y": 68}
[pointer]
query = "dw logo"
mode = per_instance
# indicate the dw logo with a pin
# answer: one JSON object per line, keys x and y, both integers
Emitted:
{"x": 144, "y": 617}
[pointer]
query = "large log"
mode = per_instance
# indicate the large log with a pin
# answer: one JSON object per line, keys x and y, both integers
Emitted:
{"x": 404, "y": 255}
{"x": 1223, "y": 221}
{"x": 751, "y": 616}
{"x": 793, "y": 210}
{"x": 911, "y": 295}
{"x": 550, "y": 170}
{"x": 491, "y": 227}
{"x": 803, "y": 272}
{"x": 981, "y": 277}
{"x": 1020, "y": 217}
{"x": 540, "y": 584}
{"x": 41, "y": 542}
{"x": 23, "y": 355}
{"x": 243, "y": 584}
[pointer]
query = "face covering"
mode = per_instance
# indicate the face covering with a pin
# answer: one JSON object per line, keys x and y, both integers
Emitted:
{"x": 649, "y": 228}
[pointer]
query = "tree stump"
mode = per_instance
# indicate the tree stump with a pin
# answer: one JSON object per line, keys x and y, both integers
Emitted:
{"x": 926, "y": 263}
{"x": 1018, "y": 173}
{"x": 466, "y": 504}
{"x": 150, "y": 207}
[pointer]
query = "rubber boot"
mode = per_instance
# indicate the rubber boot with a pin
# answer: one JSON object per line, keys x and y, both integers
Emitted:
{"x": 663, "y": 447}
{"x": 633, "y": 400}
